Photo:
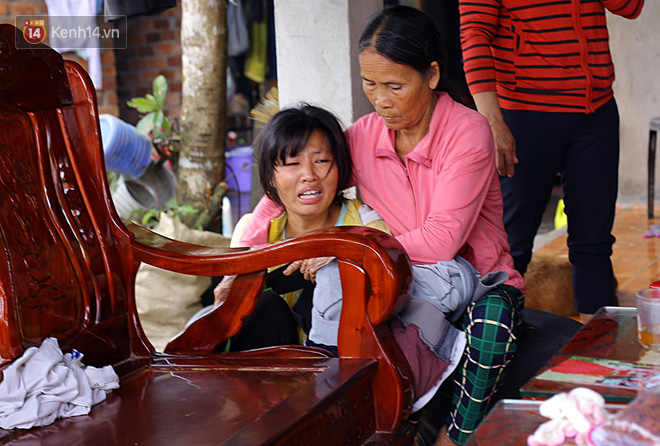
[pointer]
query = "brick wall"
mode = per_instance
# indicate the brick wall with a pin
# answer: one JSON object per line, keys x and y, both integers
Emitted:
{"x": 107, "y": 95}
{"x": 153, "y": 47}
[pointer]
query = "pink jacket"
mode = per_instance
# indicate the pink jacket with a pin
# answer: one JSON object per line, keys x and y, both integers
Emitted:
{"x": 445, "y": 201}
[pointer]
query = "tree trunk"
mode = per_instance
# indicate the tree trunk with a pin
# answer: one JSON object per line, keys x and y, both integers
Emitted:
{"x": 203, "y": 110}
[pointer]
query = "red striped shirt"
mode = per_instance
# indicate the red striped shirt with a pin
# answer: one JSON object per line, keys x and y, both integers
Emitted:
{"x": 541, "y": 55}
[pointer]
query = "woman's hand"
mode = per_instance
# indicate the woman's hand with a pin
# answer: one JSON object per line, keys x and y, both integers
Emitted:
{"x": 505, "y": 148}
{"x": 308, "y": 267}
{"x": 505, "y": 143}
{"x": 221, "y": 291}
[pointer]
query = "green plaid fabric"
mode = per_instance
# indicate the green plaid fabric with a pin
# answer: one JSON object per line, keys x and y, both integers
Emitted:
{"x": 491, "y": 325}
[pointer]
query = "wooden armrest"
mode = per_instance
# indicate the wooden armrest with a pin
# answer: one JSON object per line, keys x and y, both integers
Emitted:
{"x": 376, "y": 253}
{"x": 206, "y": 333}
{"x": 375, "y": 275}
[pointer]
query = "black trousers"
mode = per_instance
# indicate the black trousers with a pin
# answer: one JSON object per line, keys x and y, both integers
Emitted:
{"x": 584, "y": 149}
{"x": 273, "y": 322}
{"x": 270, "y": 324}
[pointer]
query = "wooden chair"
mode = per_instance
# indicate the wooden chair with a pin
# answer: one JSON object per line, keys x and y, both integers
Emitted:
{"x": 68, "y": 266}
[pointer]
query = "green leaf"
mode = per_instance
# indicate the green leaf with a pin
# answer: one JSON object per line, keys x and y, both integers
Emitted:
{"x": 113, "y": 181}
{"x": 146, "y": 124}
{"x": 166, "y": 124}
{"x": 152, "y": 99}
{"x": 157, "y": 133}
{"x": 158, "y": 119}
{"x": 144, "y": 105}
{"x": 172, "y": 203}
{"x": 186, "y": 209}
{"x": 160, "y": 89}
{"x": 149, "y": 215}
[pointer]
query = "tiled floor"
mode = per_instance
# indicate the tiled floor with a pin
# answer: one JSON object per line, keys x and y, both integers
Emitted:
{"x": 636, "y": 259}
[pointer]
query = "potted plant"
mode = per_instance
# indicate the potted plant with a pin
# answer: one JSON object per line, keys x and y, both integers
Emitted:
{"x": 154, "y": 123}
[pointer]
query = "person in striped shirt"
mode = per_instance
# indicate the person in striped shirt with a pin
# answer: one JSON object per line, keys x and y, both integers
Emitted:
{"x": 541, "y": 72}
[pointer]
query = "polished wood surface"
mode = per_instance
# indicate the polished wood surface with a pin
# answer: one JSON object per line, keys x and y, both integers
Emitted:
{"x": 67, "y": 269}
{"x": 610, "y": 334}
{"x": 231, "y": 402}
{"x": 510, "y": 422}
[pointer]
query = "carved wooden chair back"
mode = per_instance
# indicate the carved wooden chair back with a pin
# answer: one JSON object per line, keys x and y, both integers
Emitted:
{"x": 65, "y": 270}
{"x": 68, "y": 262}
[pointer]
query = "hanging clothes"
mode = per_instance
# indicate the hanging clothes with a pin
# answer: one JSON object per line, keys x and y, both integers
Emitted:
{"x": 77, "y": 15}
{"x": 238, "y": 40}
{"x": 256, "y": 65}
{"x": 130, "y": 8}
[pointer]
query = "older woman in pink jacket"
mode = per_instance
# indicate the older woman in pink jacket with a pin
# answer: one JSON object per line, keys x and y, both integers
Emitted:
{"x": 426, "y": 164}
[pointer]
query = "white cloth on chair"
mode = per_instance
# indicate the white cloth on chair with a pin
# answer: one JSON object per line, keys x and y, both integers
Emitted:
{"x": 44, "y": 384}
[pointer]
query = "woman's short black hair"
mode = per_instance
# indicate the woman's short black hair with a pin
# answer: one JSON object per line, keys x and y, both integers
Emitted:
{"x": 287, "y": 133}
{"x": 407, "y": 36}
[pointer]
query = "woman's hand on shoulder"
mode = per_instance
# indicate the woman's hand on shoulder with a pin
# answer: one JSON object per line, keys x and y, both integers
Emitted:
{"x": 308, "y": 267}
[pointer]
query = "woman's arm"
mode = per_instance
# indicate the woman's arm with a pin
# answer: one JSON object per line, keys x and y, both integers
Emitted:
{"x": 479, "y": 20}
{"x": 464, "y": 189}
{"x": 256, "y": 230}
{"x": 505, "y": 143}
{"x": 629, "y": 9}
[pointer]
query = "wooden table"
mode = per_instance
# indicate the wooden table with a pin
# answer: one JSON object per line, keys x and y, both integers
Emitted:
{"x": 510, "y": 422}
{"x": 610, "y": 334}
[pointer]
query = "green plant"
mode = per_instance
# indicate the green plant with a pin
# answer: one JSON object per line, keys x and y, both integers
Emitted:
{"x": 112, "y": 181}
{"x": 151, "y": 217}
{"x": 161, "y": 129}
{"x": 154, "y": 123}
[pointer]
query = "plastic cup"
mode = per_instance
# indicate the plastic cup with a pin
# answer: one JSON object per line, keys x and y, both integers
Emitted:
{"x": 648, "y": 318}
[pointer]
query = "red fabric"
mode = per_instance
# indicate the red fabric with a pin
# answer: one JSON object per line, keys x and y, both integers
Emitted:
{"x": 548, "y": 56}
{"x": 583, "y": 368}
{"x": 427, "y": 368}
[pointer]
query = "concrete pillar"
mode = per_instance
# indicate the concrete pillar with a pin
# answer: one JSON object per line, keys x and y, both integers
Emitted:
{"x": 316, "y": 43}
{"x": 635, "y": 48}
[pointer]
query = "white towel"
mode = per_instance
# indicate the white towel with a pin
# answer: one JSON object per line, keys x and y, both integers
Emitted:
{"x": 44, "y": 384}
